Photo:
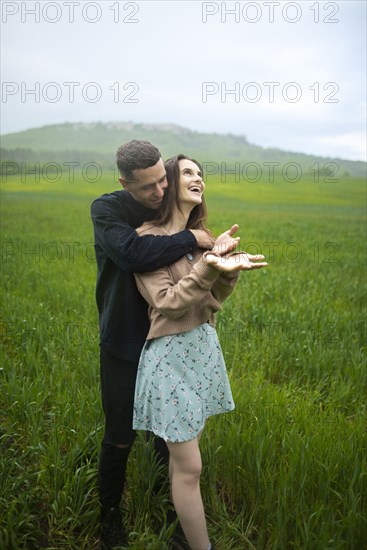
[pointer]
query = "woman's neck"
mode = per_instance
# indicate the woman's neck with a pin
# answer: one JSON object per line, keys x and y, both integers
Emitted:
{"x": 178, "y": 221}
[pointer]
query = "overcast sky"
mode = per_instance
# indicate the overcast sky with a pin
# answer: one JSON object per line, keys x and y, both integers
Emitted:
{"x": 285, "y": 74}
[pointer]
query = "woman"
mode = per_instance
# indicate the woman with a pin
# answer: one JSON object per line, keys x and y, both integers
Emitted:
{"x": 182, "y": 378}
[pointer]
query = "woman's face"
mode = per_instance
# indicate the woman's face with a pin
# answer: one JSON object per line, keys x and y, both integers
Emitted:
{"x": 191, "y": 183}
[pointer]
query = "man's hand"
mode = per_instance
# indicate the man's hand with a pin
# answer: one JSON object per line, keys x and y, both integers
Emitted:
{"x": 231, "y": 263}
{"x": 226, "y": 242}
{"x": 203, "y": 238}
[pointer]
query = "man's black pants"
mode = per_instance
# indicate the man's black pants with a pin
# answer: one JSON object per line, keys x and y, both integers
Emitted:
{"x": 117, "y": 387}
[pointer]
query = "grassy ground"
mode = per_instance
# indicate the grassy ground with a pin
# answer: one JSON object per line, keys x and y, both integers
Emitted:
{"x": 287, "y": 468}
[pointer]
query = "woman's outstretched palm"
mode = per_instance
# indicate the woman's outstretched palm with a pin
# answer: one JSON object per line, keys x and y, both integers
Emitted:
{"x": 236, "y": 261}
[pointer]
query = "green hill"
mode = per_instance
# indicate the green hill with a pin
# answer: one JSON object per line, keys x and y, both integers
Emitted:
{"x": 85, "y": 142}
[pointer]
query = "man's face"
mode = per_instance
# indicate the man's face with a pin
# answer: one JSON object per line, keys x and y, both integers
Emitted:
{"x": 147, "y": 185}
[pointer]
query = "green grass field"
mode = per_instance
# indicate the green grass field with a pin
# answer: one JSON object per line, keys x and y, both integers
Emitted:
{"x": 287, "y": 468}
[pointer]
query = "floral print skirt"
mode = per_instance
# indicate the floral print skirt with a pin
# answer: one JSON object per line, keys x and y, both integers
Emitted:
{"x": 181, "y": 381}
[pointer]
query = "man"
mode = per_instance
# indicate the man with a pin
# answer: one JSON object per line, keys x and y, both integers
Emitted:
{"x": 123, "y": 315}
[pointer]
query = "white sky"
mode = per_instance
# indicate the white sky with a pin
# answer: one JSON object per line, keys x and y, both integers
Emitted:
{"x": 167, "y": 50}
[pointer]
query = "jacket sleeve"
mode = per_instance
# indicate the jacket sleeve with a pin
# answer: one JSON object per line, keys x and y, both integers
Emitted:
{"x": 172, "y": 299}
{"x": 130, "y": 252}
{"x": 223, "y": 287}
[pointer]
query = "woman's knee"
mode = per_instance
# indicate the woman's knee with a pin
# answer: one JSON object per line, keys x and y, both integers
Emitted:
{"x": 188, "y": 465}
{"x": 190, "y": 477}
{"x": 194, "y": 472}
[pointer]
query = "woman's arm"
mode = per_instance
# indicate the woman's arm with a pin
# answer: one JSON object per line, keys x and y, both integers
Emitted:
{"x": 174, "y": 299}
{"x": 212, "y": 272}
{"x": 224, "y": 286}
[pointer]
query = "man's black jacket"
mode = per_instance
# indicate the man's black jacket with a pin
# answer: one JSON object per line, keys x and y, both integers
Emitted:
{"x": 120, "y": 252}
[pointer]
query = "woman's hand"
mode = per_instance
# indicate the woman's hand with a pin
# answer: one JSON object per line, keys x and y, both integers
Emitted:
{"x": 236, "y": 261}
{"x": 226, "y": 242}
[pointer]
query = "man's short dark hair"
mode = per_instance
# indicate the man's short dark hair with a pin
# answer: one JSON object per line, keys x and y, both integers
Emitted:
{"x": 137, "y": 154}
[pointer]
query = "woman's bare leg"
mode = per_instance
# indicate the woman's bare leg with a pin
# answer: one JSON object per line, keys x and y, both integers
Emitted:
{"x": 170, "y": 467}
{"x": 185, "y": 470}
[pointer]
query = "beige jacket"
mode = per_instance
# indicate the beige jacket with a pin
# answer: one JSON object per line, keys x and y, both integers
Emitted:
{"x": 183, "y": 295}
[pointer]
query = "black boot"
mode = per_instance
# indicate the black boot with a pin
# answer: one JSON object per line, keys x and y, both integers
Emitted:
{"x": 112, "y": 531}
